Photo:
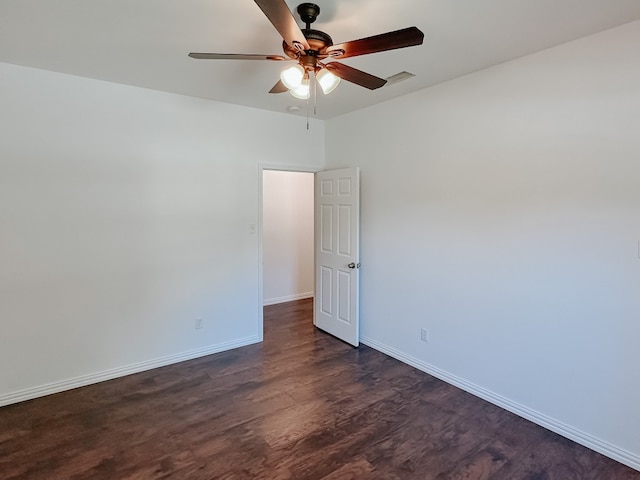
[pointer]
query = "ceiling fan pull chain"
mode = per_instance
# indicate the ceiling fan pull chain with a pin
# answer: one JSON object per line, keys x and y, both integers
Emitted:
{"x": 315, "y": 95}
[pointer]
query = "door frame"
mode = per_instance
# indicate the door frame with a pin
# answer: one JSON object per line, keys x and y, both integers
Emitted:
{"x": 281, "y": 168}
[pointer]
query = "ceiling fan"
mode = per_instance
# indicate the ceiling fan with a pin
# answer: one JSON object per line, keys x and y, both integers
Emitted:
{"x": 312, "y": 48}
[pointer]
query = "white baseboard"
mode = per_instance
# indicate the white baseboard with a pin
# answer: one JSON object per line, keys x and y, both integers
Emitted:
{"x": 630, "y": 459}
{"x": 56, "y": 387}
{"x": 288, "y": 298}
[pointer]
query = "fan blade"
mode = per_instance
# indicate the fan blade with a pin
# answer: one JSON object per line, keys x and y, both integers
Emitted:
{"x": 279, "y": 88}
{"x": 279, "y": 15}
{"x": 235, "y": 56}
{"x": 356, "y": 76}
{"x": 407, "y": 37}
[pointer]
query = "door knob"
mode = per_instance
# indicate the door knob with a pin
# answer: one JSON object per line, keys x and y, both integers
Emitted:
{"x": 353, "y": 265}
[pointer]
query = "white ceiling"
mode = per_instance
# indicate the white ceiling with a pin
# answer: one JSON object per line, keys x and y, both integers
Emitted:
{"x": 145, "y": 42}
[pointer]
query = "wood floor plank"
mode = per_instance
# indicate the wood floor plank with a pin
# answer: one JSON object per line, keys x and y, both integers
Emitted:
{"x": 301, "y": 405}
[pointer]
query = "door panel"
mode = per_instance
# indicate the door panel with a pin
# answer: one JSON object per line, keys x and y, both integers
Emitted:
{"x": 337, "y": 253}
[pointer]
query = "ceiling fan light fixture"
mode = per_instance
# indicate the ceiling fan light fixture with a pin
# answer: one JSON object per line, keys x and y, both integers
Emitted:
{"x": 292, "y": 77}
{"x": 303, "y": 92}
{"x": 327, "y": 81}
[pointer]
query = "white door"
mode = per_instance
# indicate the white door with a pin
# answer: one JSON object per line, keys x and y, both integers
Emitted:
{"x": 337, "y": 246}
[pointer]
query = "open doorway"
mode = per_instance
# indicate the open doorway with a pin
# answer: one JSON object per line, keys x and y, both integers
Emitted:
{"x": 287, "y": 236}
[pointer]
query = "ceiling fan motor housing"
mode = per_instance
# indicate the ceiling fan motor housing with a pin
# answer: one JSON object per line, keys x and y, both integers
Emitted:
{"x": 317, "y": 40}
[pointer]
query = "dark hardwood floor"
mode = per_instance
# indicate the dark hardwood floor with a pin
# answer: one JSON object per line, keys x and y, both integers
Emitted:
{"x": 302, "y": 405}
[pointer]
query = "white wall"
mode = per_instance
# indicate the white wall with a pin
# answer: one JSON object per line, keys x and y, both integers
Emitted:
{"x": 502, "y": 212}
{"x": 287, "y": 235}
{"x": 125, "y": 215}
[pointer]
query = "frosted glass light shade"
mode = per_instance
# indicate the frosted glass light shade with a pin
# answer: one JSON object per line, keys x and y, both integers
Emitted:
{"x": 327, "y": 80}
{"x": 292, "y": 77}
{"x": 302, "y": 92}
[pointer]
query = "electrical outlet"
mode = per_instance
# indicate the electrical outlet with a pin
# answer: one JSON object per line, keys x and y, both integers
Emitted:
{"x": 424, "y": 335}
{"x": 198, "y": 324}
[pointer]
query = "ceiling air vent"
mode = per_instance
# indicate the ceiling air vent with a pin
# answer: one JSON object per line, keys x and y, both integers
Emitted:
{"x": 399, "y": 77}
